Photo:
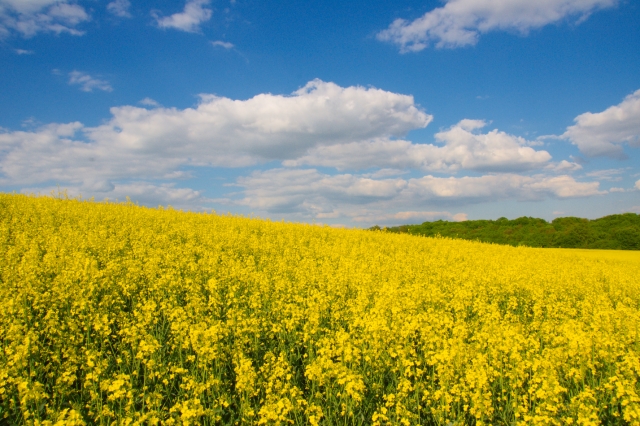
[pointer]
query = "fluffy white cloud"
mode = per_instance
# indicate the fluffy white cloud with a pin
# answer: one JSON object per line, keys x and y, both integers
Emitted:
{"x": 120, "y": 8}
{"x": 460, "y": 22}
{"x": 603, "y": 133}
{"x": 56, "y": 153}
{"x": 88, "y": 83}
{"x": 638, "y": 184}
{"x": 149, "y": 143}
{"x": 226, "y": 132}
{"x": 195, "y": 13}
{"x": 30, "y": 17}
{"x": 310, "y": 193}
{"x": 463, "y": 148}
{"x": 139, "y": 147}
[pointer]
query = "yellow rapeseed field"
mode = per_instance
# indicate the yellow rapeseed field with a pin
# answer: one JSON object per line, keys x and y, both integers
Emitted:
{"x": 115, "y": 314}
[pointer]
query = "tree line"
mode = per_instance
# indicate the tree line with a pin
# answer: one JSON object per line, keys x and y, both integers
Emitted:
{"x": 614, "y": 232}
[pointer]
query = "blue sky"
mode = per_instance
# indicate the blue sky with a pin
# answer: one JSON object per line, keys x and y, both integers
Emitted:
{"x": 346, "y": 113}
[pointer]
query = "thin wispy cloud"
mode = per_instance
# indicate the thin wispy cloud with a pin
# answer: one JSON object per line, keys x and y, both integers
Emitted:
{"x": 563, "y": 166}
{"x": 88, "y": 83}
{"x": 28, "y": 18}
{"x": 407, "y": 217}
{"x": 150, "y": 102}
{"x": 120, "y": 8}
{"x": 223, "y": 44}
{"x": 614, "y": 175}
{"x": 616, "y": 189}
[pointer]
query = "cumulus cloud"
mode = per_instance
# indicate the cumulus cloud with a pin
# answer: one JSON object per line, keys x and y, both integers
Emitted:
{"x": 149, "y": 143}
{"x": 88, "y": 83}
{"x": 59, "y": 153}
{"x": 638, "y": 184}
{"x": 310, "y": 193}
{"x": 141, "y": 146}
{"x": 225, "y": 132}
{"x": 30, "y": 17}
{"x": 195, "y": 13}
{"x": 603, "y": 133}
{"x": 463, "y": 148}
{"x": 120, "y": 8}
{"x": 461, "y": 22}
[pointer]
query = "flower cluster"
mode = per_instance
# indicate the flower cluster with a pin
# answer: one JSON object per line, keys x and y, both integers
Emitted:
{"x": 112, "y": 313}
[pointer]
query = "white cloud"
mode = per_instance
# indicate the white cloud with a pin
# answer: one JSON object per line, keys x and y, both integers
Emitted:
{"x": 150, "y": 102}
{"x": 386, "y": 173}
{"x": 563, "y": 166}
{"x": 24, "y": 52}
{"x": 144, "y": 193}
{"x": 409, "y": 217}
{"x": 88, "y": 83}
{"x": 603, "y": 133}
{"x": 638, "y": 184}
{"x": 224, "y": 44}
{"x": 225, "y": 132}
{"x": 120, "y": 8}
{"x": 614, "y": 189}
{"x": 461, "y": 22}
{"x": 195, "y": 13}
{"x": 309, "y": 193}
{"x": 502, "y": 186}
{"x": 56, "y": 153}
{"x": 460, "y": 217}
{"x": 607, "y": 174}
{"x": 141, "y": 143}
{"x": 140, "y": 146}
{"x": 463, "y": 148}
{"x": 30, "y": 17}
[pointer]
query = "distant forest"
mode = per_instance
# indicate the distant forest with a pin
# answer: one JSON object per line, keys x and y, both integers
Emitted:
{"x": 615, "y": 232}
